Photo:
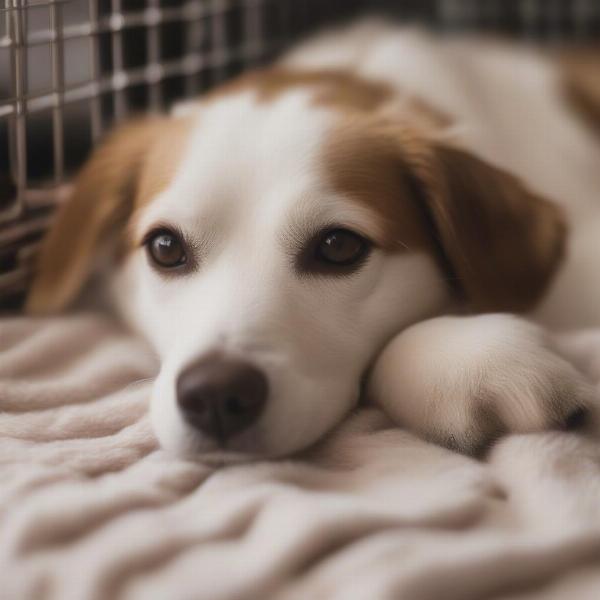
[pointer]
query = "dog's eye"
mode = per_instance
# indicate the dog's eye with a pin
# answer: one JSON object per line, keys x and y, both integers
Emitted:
{"x": 341, "y": 247}
{"x": 166, "y": 249}
{"x": 334, "y": 251}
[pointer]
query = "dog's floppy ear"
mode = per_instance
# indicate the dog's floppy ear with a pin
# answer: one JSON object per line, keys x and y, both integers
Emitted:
{"x": 580, "y": 69}
{"x": 500, "y": 242}
{"x": 101, "y": 201}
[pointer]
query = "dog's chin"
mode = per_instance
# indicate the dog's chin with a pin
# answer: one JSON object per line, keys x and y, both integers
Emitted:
{"x": 190, "y": 445}
{"x": 186, "y": 443}
{"x": 222, "y": 458}
{"x": 217, "y": 456}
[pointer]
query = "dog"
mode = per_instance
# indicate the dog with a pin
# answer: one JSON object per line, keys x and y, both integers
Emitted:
{"x": 382, "y": 215}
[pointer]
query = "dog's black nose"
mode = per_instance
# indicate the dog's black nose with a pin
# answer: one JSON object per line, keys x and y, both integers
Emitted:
{"x": 221, "y": 397}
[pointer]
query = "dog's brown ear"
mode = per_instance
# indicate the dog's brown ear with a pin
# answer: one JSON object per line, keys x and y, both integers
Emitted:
{"x": 101, "y": 201}
{"x": 500, "y": 242}
{"x": 580, "y": 70}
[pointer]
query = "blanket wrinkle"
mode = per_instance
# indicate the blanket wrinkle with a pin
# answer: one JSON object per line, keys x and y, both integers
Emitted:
{"x": 92, "y": 509}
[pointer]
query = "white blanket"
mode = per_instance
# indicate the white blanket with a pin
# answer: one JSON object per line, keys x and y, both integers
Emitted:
{"x": 91, "y": 509}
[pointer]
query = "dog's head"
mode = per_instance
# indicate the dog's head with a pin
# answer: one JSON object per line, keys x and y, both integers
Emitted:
{"x": 269, "y": 240}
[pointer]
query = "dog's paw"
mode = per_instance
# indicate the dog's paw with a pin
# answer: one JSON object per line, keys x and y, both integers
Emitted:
{"x": 464, "y": 381}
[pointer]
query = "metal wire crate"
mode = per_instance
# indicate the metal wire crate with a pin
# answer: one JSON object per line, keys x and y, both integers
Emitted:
{"x": 69, "y": 69}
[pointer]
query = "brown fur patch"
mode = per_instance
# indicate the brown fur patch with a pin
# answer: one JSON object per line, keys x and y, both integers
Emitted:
{"x": 132, "y": 165}
{"x": 499, "y": 242}
{"x": 157, "y": 170}
{"x": 162, "y": 159}
{"x": 504, "y": 242}
{"x": 361, "y": 161}
{"x": 581, "y": 83}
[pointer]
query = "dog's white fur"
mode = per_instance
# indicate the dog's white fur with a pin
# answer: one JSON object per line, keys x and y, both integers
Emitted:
{"x": 250, "y": 182}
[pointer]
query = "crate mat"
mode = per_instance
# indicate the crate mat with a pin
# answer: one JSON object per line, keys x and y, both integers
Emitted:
{"x": 92, "y": 509}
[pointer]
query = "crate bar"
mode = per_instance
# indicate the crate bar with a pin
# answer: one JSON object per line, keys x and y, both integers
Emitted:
{"x": 253, "y": 36}
{"x": 152, "y": 21}
{"x": 555, "y": 19}
{"x": 529, "y": 16}
{"x": 194, "y": 35}
{"x": 585, "y": 13}
{"x": 219, "y": 38}
{"x": 186, "y": 66}
{"x": 33, "y": 4}
{"x": 14, "y": 281}
{"x": 18, "y": 132}
{"x": 109, "y": 24}
{"x": 27, "y": 227}
{"x": 58, "y": 82}
{"x": 119, "y": 75}
{"x": 285, "y": 23}
{"x": 95, "y": 106}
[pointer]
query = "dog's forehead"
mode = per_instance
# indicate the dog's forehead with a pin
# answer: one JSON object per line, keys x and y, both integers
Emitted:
{"x": 270, "y": 151}
{"x": 241, "y": 153}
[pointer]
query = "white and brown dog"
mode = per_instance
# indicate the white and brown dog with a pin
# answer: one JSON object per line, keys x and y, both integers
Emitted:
{"x": 310, "y": 223}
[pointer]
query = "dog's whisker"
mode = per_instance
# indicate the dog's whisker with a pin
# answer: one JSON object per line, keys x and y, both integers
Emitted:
{"x": 137, "y": 383}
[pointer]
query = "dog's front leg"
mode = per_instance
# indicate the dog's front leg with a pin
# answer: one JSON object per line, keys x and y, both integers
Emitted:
{"x": 463, "y": 381}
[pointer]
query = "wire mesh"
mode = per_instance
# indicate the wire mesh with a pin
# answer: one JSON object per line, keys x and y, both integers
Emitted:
{"x": 69, "y": 69}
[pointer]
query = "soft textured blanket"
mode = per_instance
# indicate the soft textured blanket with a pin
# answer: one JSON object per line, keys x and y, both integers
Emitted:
{"x": 91, "y": 509}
